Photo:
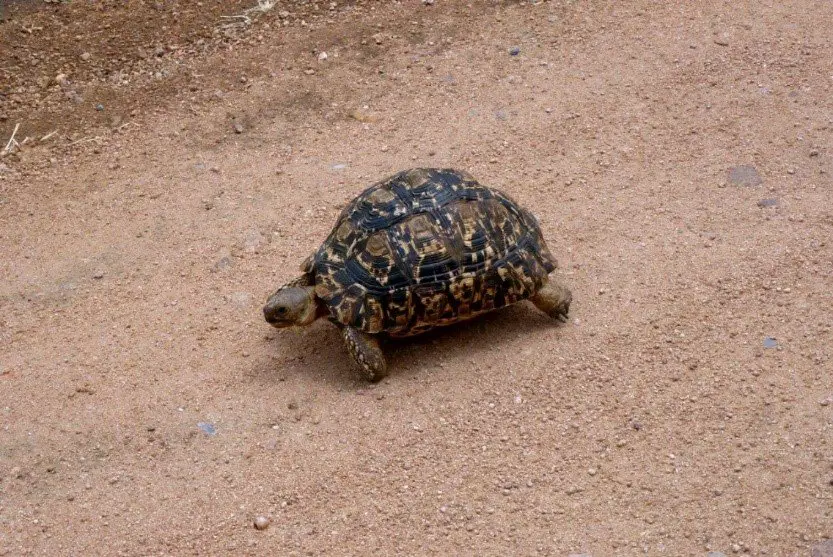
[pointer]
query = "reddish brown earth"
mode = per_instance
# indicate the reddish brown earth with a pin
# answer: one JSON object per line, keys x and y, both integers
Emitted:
{"x": 686, "y": 408}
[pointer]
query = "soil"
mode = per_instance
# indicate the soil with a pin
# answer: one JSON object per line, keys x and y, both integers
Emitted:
{"x": 677, "y": 154}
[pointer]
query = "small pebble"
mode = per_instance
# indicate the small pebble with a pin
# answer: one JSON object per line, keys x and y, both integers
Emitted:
{"x": 770, "y": 342}
{"x": 238, "y": 127}
{"x": 262, "y": 522}
{"x": 207, "y": 428}
{"x": 98, "y": 275}
{"x": 768, "y": 203}
{"x": 99, "y": 107}
{"x": 86, "y": 56}
{"x": 514, "y": 51}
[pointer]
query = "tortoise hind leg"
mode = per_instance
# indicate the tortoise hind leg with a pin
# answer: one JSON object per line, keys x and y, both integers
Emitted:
{"x": 365, "y": 349}
{"x": 554, "y": 300}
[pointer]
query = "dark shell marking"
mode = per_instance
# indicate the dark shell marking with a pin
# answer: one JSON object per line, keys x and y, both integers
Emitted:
{"x": 426, "y": 248}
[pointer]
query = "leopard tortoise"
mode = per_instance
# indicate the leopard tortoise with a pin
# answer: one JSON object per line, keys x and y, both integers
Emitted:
{"x": 421, "y": 249}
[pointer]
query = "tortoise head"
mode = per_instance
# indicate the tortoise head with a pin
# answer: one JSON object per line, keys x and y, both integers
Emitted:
{"x": 292, "y": 305}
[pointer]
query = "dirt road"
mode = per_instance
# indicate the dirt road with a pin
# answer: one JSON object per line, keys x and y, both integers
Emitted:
{"x": 678, "y": 155}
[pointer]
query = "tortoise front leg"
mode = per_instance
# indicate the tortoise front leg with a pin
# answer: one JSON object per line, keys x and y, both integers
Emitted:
{"x": 554, "y": 300}
{"x": 366, "y": 351}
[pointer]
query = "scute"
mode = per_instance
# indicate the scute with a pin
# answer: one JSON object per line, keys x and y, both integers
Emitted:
{"x": 425, "y": 248}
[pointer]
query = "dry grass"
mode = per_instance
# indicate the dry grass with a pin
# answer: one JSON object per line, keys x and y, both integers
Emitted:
{"x": 12, "y": 144}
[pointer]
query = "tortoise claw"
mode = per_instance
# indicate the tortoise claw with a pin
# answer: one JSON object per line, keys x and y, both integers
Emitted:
{"x": 365, "y": 350}
{"x": 554, "y": 300}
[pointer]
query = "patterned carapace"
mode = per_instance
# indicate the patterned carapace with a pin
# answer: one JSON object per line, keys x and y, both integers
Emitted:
{"x": 426, "y": 248}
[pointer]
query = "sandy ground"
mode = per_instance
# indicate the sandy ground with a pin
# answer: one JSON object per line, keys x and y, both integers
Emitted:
{"x": 678, "y": 155}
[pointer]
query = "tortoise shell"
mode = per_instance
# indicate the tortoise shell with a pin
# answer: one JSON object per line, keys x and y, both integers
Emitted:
{"x": 426, "y": 248}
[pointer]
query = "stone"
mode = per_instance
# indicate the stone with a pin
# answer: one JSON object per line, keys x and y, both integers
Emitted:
{"x": 262, "y": 522}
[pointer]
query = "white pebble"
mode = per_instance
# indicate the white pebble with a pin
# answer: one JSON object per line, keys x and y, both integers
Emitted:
{"x": 262, "y": 522}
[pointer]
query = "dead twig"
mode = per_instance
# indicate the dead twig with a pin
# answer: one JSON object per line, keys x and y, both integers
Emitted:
{"x": 97, "y": 139}
{"x": 12, "y": 142}
{"x": 262, "y": 7}
{"x": 120, "y": 128}
{"x": 249, "y": 15}
{"x": 47, "y": 136}
{"x": 246, "y": 20}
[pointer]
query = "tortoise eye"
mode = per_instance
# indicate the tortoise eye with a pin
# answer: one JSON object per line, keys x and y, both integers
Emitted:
{"x": 282, "y": 310}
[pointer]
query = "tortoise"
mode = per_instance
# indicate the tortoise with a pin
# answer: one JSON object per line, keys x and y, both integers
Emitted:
{"x": 421, "y": 249}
